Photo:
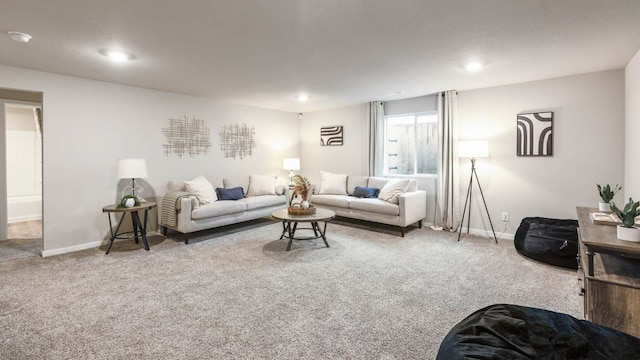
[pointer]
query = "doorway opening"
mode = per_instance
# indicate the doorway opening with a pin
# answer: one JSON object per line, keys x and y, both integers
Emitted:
{"x": 21, "y": 200}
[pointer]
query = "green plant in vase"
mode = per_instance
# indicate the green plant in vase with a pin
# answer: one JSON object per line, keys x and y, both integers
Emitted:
{"x": 606, "y": 194}
{"x": 628, "y": 231}
{"x": 128, "y": 201}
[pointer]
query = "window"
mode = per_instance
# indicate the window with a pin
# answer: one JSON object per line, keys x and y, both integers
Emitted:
{"x": 411, "y": 144}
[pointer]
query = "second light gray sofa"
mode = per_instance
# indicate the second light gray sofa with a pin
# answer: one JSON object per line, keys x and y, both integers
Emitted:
{"x": 400, "y": 203}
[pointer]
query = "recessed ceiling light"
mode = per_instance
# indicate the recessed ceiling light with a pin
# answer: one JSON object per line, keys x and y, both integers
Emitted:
{"x": 395, "y": 93}
{"x": 303, "y": 97}
{"x": 20, "y": 36}
{"x": 473, "y": 66}
{"x": 117, "y": 55}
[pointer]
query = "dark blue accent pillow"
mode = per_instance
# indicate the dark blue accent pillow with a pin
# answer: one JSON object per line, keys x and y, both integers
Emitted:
{"x": 365, "y": 192}
{"x": 230, "y": 194}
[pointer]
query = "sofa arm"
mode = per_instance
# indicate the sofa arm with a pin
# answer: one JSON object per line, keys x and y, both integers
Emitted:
{"x": 174, "y": 204}
{"x": 184, "y": 207}
{"x": 413, "y": 206}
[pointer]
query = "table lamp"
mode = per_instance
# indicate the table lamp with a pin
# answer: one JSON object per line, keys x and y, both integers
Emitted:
{"x": 132, "y": 169}
{"x": 291, "y": 164}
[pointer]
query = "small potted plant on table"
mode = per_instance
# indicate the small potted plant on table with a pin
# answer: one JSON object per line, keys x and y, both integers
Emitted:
{"x": 628, "y": 231}
{"x": 606, "y": 194}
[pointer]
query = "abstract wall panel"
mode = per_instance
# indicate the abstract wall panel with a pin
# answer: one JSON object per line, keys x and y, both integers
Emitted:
{"x": 186, "y": 135}
{"x": 535, "y": 135}
{"x": 331, "y": 135}
{"x": 236, "y": 140}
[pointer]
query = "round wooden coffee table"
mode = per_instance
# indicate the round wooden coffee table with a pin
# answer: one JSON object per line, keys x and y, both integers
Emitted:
{"x": 290, "y": 224}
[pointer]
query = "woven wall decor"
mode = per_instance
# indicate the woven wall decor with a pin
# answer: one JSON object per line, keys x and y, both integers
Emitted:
{"x": 236, "y": 140}
{"x": 186, "y": 136}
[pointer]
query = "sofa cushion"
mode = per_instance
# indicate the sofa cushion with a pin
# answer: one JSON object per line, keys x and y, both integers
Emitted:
{"x": 333, "y": 183}
{"x": 202, "y": 189}
{"x": 257, "y": 202}
{"x": 392, "y": 189}
{"x": 355, "y": 181}
{"x": 176, "y": 185}
{"x": 365, "y": 192}
{"x": 218, "y": 208}
{"x": 230, "y": 194}
{"x": 331, "y": 200}
{"x": 240, "y": 181}
{"x": 375, "y": 206}
{"x": 261, "y": 185}
{"x": 377, "y": 182}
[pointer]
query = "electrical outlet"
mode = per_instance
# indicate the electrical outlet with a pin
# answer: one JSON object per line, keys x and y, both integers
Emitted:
{"x": 505, "y": 216}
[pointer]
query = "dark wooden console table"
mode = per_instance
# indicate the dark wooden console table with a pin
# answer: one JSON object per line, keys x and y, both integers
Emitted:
{"x": 611, "y": 273}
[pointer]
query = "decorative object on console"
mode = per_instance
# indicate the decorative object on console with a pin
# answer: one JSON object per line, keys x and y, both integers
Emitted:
{"x": 331, "y": 135}
{"x": 132, "y": 169}
{"x": 534, "y": 134}
{"x": 291, "y": 164}
{"x": 236, "y": 140}
{"x": 300, "y": 203}
{"x": 473, "y": 150}
{"x": 128, "y": 201}
{"x": 186, "y": 135}
{"x": 606, "y": 194}
{"x": 627, "y": 231}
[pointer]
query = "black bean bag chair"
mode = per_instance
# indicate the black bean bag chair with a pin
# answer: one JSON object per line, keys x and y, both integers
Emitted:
{"x": 513, "y": 332}
{"x": 551, "y": 241}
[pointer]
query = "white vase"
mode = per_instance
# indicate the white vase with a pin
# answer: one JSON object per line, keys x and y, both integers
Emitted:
{"x": 130, "y": 202}
{"x": 629, "y": 234}
{"x": 604, "y": 206}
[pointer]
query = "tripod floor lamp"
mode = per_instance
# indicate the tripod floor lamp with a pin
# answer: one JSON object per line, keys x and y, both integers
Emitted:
{"x": 473, "y": 150}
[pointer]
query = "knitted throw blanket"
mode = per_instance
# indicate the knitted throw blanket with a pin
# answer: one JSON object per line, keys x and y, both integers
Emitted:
{"x": 170, "y": 207}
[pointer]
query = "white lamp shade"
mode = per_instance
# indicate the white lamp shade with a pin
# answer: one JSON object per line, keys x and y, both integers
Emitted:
{"x": 291, "y": 164}
{"x": 473, "y": 149}
{"x": 132, "y": 168}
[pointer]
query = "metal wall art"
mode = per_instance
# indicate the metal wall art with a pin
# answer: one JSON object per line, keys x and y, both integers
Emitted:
{"x": 535, "y": 135}
{"x": 236, "y": 140}
{"x": 184, "y": 135}
{"x": 331, "y": 135}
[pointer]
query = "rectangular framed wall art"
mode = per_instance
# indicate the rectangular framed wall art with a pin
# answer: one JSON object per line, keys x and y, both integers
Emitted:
{"x": 331, "y": 136}
{"x": 535, "y": 134}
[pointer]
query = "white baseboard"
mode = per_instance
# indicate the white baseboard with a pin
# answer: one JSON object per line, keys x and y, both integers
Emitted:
{"x": 86, "y": 246}
{"x": 69, "y": 249}
{"x": 489, "y": 234}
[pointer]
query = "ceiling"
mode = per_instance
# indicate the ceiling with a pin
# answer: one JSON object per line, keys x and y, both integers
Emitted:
{"x": 340, "y": 52}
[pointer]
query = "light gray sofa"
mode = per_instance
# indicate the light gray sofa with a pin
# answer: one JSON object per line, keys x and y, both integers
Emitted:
{"x": 411, "y": 206}
{"x": 182, "y": 210}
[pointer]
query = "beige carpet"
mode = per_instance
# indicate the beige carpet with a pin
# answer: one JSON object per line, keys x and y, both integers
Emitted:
{"x": 236, "y": 294}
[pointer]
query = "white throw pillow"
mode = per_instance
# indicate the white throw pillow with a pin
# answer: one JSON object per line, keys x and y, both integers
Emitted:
{"x": 333, "y": 183}
{"x": 202, "y": 189}
{"x": 392, "y": 189}
{"x": 261, "y": 185}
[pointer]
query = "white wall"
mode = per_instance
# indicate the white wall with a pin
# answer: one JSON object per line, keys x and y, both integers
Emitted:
{"x": 632, "y": 128}
{"x": 588, "y": 131}
{"x": 88, "y": 125}
{"x": 350, "y": 158}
